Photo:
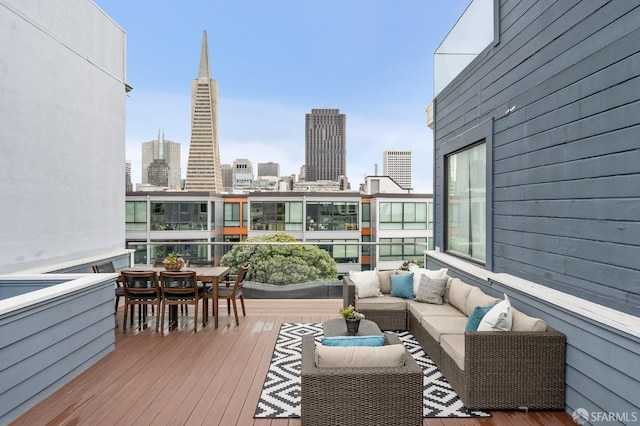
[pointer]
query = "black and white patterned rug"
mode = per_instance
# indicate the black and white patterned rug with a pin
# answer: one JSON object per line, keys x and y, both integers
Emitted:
{"x": 280, "y": 397}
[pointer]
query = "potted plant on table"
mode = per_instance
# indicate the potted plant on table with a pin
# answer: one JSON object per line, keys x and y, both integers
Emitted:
{"x": 173, "y": 261}
{"x": 352, "y": 318}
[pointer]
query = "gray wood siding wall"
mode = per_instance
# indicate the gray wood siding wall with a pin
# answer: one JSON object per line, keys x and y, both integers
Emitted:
{"x": 46, "y": 344}
{"x": 561, "y": 88}
{"x": 566, "y": 158}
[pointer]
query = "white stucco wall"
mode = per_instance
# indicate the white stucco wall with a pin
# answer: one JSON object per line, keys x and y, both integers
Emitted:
{"x": 62, "y": 132}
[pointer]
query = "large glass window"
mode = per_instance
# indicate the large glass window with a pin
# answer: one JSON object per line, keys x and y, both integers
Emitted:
{"x": 185, "y": 248}
{"x": 397, "y": 215}
{"x": 245, "y": 215}
{"x": 212, "y": 223}
{"x": 136, "y": 215}
{"x": 276, "y": 216}
{"x": 366, "y": 215}
{"x": 178, "y": 216}
{"x": 342, "y": 253}
{"x": 466, "y": 203}
{"x": 332, "y": 216}
{"x": 402, "y": 248}
{"x": 232, "y": 214}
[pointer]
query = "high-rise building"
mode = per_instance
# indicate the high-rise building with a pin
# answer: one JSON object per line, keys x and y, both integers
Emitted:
{"x": 269, "y": 169}
{"x": 161, "y": 149}
{"x": 227, "y": 177}
{"x": 242, "y": 173}
{"x": 159, "y": 173}
{"x": 127, "y": 176}
{"x": 203, "y": 166}
{"x": 397, "y": 165}
{"x": 325, "y": 145}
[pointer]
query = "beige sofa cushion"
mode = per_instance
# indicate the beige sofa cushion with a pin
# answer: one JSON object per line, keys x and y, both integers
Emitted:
{"x": 437, "y": 326}
{"x": 385, "y": 279}
{"x": 360, "y": 356}
{"x": 453, "y": 345}
{"x": 523, "y": 322}
{"x": 420, "y": 310}
{"x": 459, "y": 293}
{"x": 478, "y": 298}
{"x": 383, "y": 303}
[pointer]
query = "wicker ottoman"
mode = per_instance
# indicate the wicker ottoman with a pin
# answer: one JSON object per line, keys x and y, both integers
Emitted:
{"x": 360, "y": 395}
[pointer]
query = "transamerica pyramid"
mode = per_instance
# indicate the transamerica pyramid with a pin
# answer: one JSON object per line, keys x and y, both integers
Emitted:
{"x": 203, "y": 166}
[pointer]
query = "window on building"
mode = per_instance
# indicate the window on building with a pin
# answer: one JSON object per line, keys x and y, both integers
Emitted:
{"x": 366, "y": 248}
{"x": 136, "y": 215}
{"x": 466, "y": 203}
{"x": 245, "y": 215}
{"x": 402, "y": 248}
{"x": 186, "y": 248}
{"x": 366, "y": 215}
{"x": 332, "y": 216}
{"x": 276, "y": 216}
{"x": 231, "y": 214}
{"x": 212, "y": 224}
{"x": 178, "y": 216}
{"x": 342, "y": 253}
{"x": 398, "y": 215}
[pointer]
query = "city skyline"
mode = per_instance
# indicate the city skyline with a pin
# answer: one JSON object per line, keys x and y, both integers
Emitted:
{"x": 273, "y": 64}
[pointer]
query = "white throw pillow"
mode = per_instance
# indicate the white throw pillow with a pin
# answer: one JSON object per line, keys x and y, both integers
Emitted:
{"x": 367, "y": 284}
{"x": 419, "y": 272}
{"x": 499, "y": 318}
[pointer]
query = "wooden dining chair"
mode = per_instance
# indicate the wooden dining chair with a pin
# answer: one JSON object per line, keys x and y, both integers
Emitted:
{"x": 180, "y": 288}
{"x": 140, "y": 288}
{"x": 105, "y": 268}
{"x": 232, "y": 291}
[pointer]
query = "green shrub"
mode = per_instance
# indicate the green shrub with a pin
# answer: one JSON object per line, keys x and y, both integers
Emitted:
{"x": 281, "y": 264}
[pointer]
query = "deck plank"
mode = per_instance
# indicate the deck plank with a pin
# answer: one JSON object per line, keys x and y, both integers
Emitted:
{"x": 212, "y": 377}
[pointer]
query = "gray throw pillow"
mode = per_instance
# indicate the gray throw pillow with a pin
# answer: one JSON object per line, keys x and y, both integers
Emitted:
{"x": 430, "y": 290}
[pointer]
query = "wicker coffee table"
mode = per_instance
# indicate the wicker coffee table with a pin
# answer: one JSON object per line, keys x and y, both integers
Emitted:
{"x": 337, "y": 327}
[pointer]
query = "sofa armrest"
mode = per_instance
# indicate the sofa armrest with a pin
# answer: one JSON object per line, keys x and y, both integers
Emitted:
{"x": 348, "y": 292}
{"x": 526, "y": 365}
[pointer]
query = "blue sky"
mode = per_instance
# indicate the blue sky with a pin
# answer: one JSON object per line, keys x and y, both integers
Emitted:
{"x": 275, "y": 61}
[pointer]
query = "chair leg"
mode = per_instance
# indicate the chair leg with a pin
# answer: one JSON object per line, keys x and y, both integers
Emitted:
{"x": 115, "y": 310}
{"x": 162, "y": 316}
{"x": 228, "y": 306}
{"x": 244, "y": 314}
{"x": 124, "y": 319}
{"x": 195, "y": 317}
{"x": 235, "y": 310}
{"x": 157, "y": 316}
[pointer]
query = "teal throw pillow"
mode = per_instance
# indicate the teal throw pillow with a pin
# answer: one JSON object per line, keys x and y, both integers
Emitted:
{"x": 402, "y": 286}
{"x": 353, "y": 341}
{"x": 476, "y": 316}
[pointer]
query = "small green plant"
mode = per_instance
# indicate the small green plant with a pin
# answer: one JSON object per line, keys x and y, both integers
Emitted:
{"x": 350, "y": 313}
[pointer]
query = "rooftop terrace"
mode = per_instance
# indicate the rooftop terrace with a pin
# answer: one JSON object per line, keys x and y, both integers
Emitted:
{"x": 211, "y": 377}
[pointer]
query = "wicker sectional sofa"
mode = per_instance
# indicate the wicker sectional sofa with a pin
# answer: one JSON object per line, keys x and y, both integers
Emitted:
{"x": 523, "y": 367}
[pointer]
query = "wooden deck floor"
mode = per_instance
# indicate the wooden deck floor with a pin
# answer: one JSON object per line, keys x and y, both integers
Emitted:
{"x": 212, "y": 377}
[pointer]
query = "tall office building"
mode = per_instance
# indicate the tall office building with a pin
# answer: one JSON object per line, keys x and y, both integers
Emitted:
{"x": 269, "y": 169}
{"x": 325, "y": 145}
{"x": 161, "y": 149}
{"x": 397, "y": 165}
{"x": 203, "y": 166}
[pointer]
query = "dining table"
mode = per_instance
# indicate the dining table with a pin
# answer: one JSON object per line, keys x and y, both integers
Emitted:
{"x": 205, "y": 274}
